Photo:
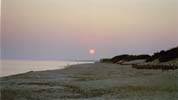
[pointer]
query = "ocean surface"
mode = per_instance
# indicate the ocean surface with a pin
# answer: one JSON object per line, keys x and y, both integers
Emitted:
{"x": 12, "y": 67}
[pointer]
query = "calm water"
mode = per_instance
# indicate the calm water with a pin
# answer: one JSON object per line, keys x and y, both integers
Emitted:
{"x": 12, "y": 67}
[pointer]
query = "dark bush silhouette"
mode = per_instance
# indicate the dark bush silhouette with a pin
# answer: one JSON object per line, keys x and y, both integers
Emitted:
{"x": 128, "y": 58}
{"x": 164, "y": 56}
{"x": 125, "y": 57}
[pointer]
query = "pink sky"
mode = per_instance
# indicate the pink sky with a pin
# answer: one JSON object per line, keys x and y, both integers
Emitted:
{"x": 67, "y": 29}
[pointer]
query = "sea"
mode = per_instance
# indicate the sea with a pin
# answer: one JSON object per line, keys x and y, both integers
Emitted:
{"x": 13, "y": 67}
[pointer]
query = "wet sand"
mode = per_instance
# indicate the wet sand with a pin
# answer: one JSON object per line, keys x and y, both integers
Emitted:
{"x": 97, "y": 81}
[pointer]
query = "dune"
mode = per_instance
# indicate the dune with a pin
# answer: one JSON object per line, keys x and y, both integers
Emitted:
{"x": 98, "y": 81}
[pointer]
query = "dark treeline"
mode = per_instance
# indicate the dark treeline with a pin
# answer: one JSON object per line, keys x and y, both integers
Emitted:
{"x": 125, "y": 57}
{"x": 128, "y": 57}
{"x": 162, "y": 56}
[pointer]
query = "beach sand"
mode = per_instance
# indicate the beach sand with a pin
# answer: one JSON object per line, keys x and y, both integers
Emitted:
{"x": 98, "y": 81}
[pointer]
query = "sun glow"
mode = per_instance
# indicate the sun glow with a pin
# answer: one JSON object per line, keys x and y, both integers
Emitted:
{"x": 92, "y": 51}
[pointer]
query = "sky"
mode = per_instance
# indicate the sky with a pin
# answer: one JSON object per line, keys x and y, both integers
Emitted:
{"x": 68, "y": 29}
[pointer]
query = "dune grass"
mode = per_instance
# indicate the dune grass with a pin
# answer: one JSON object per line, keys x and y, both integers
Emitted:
{"x": 121, "y": 82}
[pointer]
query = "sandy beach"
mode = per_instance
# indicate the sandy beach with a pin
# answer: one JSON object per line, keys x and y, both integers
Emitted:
{"x": 99, "y": 81}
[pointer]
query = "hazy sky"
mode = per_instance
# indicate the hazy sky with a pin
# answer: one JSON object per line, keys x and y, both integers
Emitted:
{"x": 67, "y": 29}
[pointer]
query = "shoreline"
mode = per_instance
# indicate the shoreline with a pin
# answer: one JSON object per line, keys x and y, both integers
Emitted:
{"x": 13, "y": 67}
{"x": 96, "y": 81}
{"x": 43, "y": 70}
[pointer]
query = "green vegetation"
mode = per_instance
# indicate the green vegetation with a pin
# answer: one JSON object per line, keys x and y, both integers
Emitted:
{"x": 91, "y": 81}
{"x": 123, "y": 91}
{"x": 106, "y": 60}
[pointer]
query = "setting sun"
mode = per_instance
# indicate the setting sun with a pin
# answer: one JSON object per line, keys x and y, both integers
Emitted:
{"x": 92, "y": 51}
